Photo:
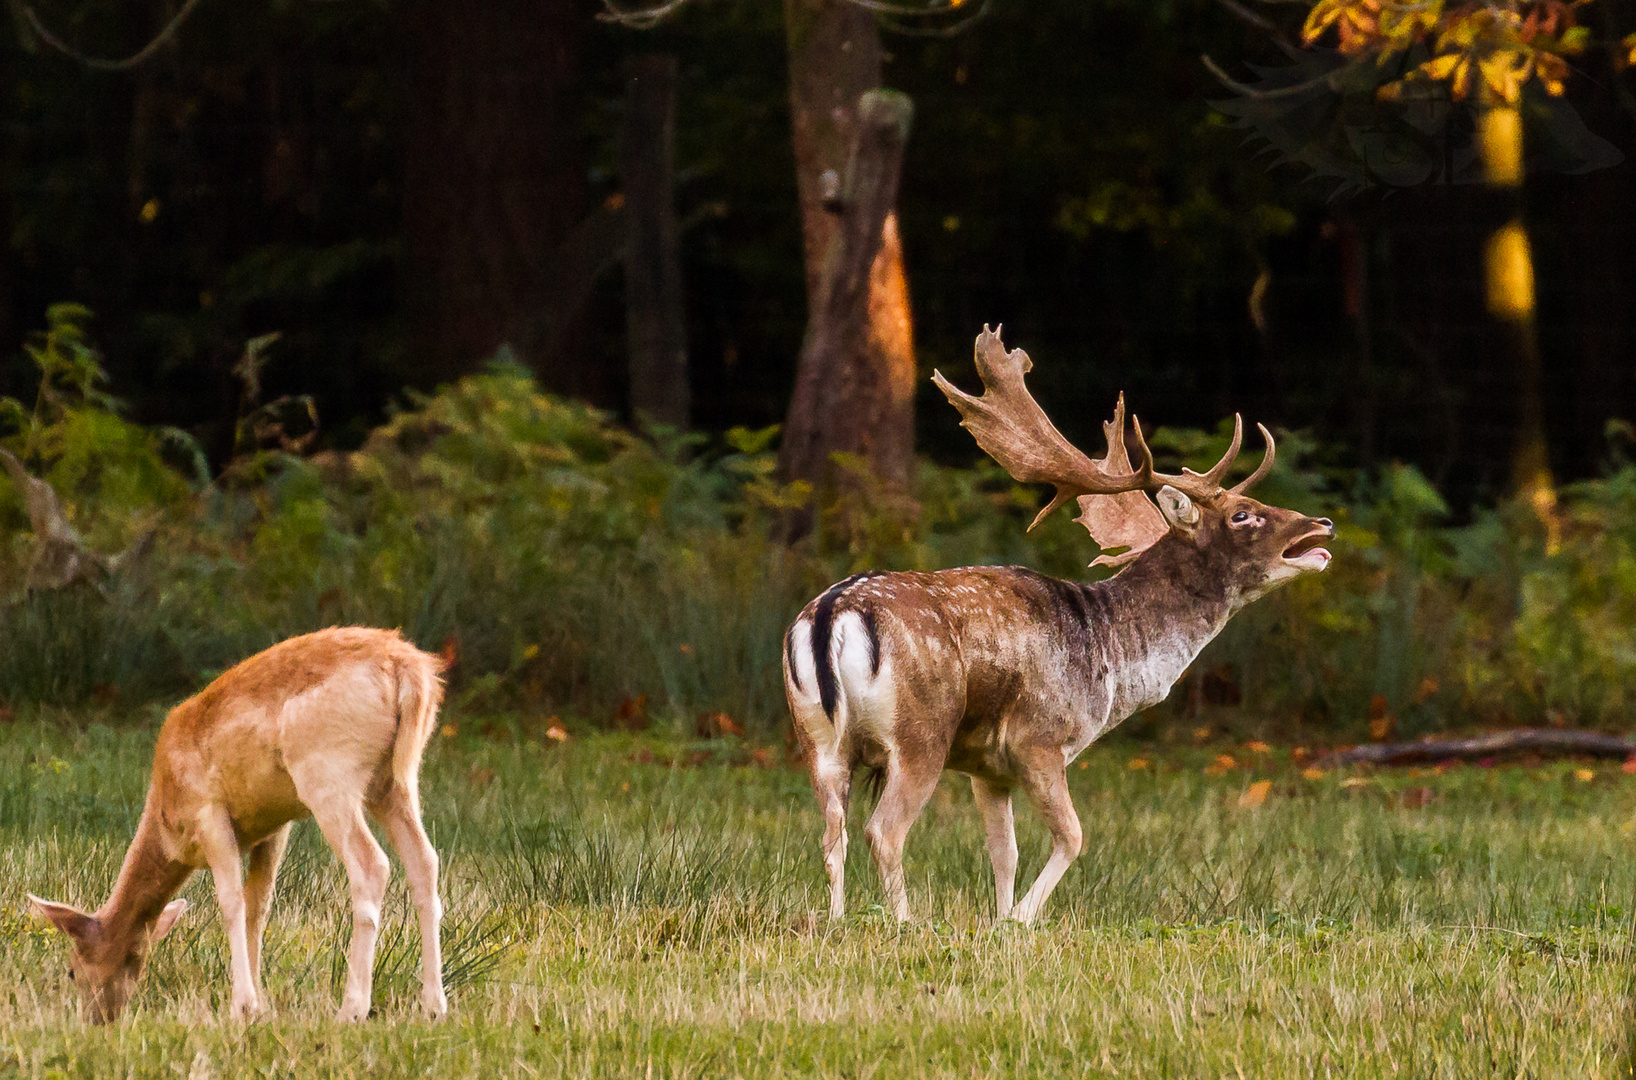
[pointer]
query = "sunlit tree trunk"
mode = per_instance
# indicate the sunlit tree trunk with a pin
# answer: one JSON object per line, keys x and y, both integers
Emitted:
{"x": 1509, "y": 271}
{"x": 835, "y": 57}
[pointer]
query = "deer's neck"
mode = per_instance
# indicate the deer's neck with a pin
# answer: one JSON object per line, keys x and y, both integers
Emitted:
{"x": 148, "y": 878}
{"x": 1163, "y": 610}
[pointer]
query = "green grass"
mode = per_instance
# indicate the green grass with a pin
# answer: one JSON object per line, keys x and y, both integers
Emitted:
{"x": 613, "y": 917}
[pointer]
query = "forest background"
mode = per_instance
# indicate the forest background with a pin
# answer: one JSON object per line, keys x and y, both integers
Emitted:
{"x": 306, "y": 316}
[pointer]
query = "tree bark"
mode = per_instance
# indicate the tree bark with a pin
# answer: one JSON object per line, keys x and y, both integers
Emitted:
{"x": 844, "y": 400}
{"x": 494, "y": 182}
{"x": 655, "y": 324}
{"x": 835, "y": 58}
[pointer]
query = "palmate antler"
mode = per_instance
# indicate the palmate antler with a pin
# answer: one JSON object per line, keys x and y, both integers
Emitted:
{"x": 1012, "y": 429}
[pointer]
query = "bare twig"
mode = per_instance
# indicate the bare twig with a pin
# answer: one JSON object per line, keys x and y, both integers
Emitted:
{"x": 1237, "y": 87}
{"x": 140, "y": 56}
{"x": 1260, "y": 22}
{"x": 640, "y": 18}
{"x": 952, "y": 30}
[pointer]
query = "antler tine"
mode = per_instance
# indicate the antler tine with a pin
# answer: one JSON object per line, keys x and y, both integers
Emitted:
{"x": 1213, "y": 476}
{"x": 1011, "y": 427}
{"x": 1262, "y": 469}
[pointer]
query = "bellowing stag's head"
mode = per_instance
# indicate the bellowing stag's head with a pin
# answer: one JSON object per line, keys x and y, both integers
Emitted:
{"x": 1249, "y": 546}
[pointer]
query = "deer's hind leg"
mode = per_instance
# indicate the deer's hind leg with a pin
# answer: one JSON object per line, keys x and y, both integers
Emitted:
{"x": 910, "y": 781}
{"x": 1000, "y": 832}
{"x": 399, "y": 814}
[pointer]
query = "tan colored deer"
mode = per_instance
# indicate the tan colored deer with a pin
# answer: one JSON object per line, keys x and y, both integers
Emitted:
{"x": 329, "y": 724}
{"x": 1006, "y": 675}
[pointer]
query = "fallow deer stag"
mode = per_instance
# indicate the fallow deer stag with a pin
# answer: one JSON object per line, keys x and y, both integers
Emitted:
{"x": 331, "y": 724}
{"x": 1006, "y": 675}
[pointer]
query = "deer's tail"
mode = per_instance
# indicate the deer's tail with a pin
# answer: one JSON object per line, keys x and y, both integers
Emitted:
{"x": 420, "y": 692}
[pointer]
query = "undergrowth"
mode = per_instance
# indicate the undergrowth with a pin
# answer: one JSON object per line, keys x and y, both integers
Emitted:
{"x": 566, "y": 564}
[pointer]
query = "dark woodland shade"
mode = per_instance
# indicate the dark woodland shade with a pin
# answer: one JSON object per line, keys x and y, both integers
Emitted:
{"x": 387, "y": 185}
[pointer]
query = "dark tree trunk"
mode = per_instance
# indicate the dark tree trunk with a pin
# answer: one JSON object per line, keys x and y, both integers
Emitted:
{"x": 655, "y": 325}
{"x": 494, "y": 182}
{"x": 866, "y": 371}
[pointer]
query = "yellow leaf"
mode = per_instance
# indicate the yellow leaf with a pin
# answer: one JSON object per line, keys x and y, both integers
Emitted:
{"x": 1320, "y": 18}
{"x": 1257, "y": 747}
{"x": 1312, "y": 772}
{"x": 1585, "y": 775}
{"x": 1222, "y": 763}
{"x": 1136, "y": 763}
{"x": 1442, "y": 67}
{"x": 449, "y": 731}
{"x": 1255, "y": 794}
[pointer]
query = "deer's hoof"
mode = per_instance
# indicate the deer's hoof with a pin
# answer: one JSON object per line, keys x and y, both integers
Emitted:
{"x": 352, "y": 1012}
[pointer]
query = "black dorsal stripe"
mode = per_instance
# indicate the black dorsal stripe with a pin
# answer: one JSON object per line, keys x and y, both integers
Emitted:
{"x": 823, "y": 625}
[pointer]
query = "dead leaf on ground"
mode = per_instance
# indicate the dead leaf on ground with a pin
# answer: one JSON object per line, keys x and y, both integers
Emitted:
{"x": 556, "y": 732}
{"x": 1257, "y": 747}
{"x": 1222, "y": 763}
{"x": 714, "y": 725}
{"x": 1255, "y": 794}
{"x": 1416, "y": 797}
{"x": 1629, "y": 766}
{"x": 1133, "y": 763}
{"x": 1312, "y": 772}
{"x": 1381, "y": 723}
{"x": 632, "y": 713}
{"x": 480, "y": 778}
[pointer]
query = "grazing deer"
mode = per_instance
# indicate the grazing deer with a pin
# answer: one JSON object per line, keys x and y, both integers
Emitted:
{"x": 328, "y": 724}
{"x": 1006, "y": 675}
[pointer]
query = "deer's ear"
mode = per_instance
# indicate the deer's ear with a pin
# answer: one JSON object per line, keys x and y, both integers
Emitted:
{"x": 1178, "y": 509}
{"x": 70, "y": 920}
{"x": 167, "y": 919}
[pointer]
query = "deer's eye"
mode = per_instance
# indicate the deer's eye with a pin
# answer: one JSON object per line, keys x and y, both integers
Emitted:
{"x": 1241, "y": 517}
{"x": 70, "y": 974}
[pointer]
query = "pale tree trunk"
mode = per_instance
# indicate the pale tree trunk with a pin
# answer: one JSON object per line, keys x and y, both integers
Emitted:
{"x": 1509, "y": 271}
{"x": 855, "y": 381}
{"x": 654, "y": 320}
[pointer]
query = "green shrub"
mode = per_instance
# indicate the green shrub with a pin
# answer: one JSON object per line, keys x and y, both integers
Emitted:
{"x": 569, "y": 564}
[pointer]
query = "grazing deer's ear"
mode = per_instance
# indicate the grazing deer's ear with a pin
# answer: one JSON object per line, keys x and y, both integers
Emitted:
{"x": 1178, "y": 509}
{"x": 167, "y": 918}
{"x": 70, "y": 920}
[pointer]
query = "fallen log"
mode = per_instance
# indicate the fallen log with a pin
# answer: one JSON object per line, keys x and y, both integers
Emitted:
{"x": 1533, "y": 740}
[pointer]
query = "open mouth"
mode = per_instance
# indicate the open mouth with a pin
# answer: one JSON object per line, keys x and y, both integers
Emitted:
{"x": 1309, "y": 550}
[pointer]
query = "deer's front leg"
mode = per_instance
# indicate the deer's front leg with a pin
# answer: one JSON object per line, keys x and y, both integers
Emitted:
{"x": 1001, "y": 835}
{"x": 1048, "y": 785}
{"x": 258, "y": 895}
{"x": 221, "y": 851}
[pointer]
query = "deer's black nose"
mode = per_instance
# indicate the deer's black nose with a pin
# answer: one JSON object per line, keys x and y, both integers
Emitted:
{"x": 1326, "y": 523}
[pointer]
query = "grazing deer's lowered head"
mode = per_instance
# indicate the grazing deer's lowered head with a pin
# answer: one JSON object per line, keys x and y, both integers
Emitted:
{"x": 1006, "y": 675}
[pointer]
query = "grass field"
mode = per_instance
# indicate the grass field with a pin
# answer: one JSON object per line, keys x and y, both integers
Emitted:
{"x": 622, "y": 906}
